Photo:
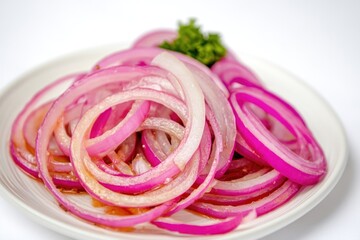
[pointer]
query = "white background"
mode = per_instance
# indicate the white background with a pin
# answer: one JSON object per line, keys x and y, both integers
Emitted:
{"x": 318, "y": 41}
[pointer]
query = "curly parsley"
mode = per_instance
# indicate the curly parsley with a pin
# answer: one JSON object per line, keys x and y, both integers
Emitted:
{"x": 206, "y": 48}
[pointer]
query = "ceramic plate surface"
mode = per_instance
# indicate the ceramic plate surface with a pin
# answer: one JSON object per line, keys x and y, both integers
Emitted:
{"x": 32, "y": 197}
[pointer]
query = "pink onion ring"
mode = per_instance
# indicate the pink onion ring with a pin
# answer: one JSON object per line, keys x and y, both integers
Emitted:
{"x": 276, "y": 154}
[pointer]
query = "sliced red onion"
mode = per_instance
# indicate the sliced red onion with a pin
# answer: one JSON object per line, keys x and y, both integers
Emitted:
{"x": 219, "y": 227}
{"x": 155, "y": 38}
{"x": 205, "y": 182}
{"x": 239, "y": 167}
{"x": 33, "y": 122}
{"x": 237, "y": 200}
{"x": 145, "y": 55}
{"x": 156, "y": 175}
{"x": 221, "y": 109}
{"x": 140, "y": 165}
{"x": 151, "y": 148}
{"x": 194, "y": 98}
{"x": 93, "y": 81}
{"x": 25, "y": 126}
{"x": 262, "y": 179}
{"x": 109, "y": 140}
{"x": 154, "y": 129}
{"x": 261, "y": 206}
{"x": 271, "y": 150}
{"x": 246, "y": 151}
{"x": 235, "y": 74}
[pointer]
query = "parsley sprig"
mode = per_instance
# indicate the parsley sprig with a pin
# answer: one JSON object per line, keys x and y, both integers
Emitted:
{"x": 206, "y": 48}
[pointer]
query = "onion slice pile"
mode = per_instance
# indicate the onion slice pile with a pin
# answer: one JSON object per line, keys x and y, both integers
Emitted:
{"x": 149, "y": 134}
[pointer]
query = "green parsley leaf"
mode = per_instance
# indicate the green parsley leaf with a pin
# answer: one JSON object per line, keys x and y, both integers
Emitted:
{"x": 206, "y": 48}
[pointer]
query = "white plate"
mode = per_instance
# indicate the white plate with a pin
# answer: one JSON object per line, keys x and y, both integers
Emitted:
{"x": 31, "y": 196}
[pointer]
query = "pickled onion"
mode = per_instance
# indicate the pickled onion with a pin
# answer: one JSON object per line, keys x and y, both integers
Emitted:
{"x": 159, "y": 132}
